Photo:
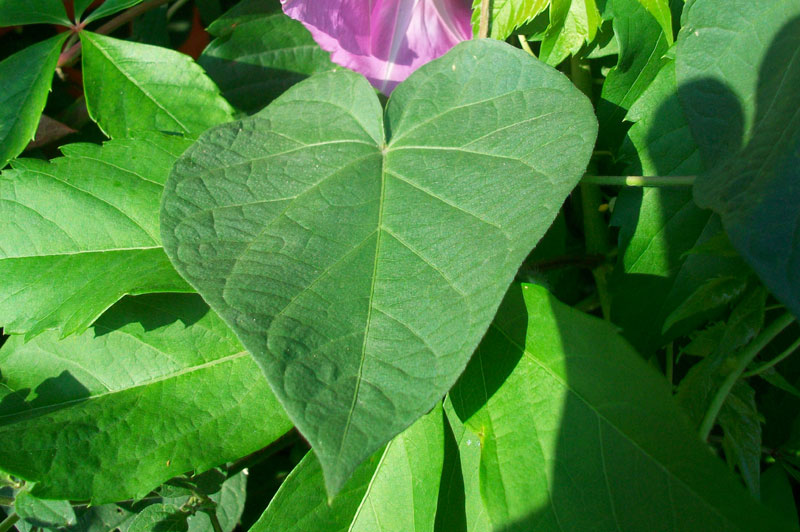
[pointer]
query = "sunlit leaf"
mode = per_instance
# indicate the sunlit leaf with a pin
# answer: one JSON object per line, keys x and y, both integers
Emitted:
{"x": 360, "y": 261}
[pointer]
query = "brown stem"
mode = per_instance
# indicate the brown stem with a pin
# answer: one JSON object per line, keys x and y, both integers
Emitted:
{"x": 68, "y": 58}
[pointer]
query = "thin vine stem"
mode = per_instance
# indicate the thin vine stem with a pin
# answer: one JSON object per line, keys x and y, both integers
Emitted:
{"x": 523, "y": 41}
{"x": 175, "y": 7}
{"x": 483, "y": 28}
{"x": 775, "y": 361}
{"x": 640, "y": 181}
{"x": 669, "y": 363}
{"x": 745, "y": 358}
{"x": 594, "y": 226}
{"x": 69, "y": 57}
{"x": 9, "y": 522}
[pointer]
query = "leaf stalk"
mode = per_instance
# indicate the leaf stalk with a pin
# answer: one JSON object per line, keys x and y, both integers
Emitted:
{"x": 9, "y": 522}
{"x": 775, "y": 361}
{"x": 639, "y": 181}
{"x": 483, "y": 28}
{"x": 745, "y": 358}
{"x": 68, "y": 58}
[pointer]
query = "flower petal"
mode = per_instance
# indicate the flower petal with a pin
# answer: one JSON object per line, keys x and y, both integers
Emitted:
{"x": 386, "y": 40}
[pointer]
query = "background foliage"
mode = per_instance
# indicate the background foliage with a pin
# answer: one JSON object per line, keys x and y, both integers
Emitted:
{"x": 194, "y": 198}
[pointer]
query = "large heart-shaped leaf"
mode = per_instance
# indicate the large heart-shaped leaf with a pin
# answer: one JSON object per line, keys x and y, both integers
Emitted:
{"x": 578, "y": 433}
{"x": 395, "y": 491}
{"x": 360, "y": 258}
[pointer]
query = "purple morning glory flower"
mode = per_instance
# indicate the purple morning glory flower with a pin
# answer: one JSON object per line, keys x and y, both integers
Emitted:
{"x": 386, "y": 40}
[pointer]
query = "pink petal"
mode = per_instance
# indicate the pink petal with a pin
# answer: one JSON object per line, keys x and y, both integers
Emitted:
{"x": 386, "y": 40}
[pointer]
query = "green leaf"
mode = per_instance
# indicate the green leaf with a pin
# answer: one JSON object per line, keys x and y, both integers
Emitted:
{"x": 102, "y": 519}
{"x": 572, "y": 24}
{"x": 137, "y": 87}
{"x": 59, "y": 269}
{"x": 741, "y": 427}
{"x": 507, "y": 15}
{"x": 578, "y": 433}
{"x": 642, "y": 45}
{"x": 712, "y": 294}
{"x": 142, "y": 397}
{"x": 25, "y": 80}
{"x": 738, "y": 87}
{"x": 661, "y": 134}
{"x": 109, "y": 7}
{"x": 230, "y": 502}
{"x": 744, "y": 323}
{"x": 17, "y": 12}
{"x": 254, "y": 59}
{"x": 44, "y": 514}
{"x": 160, "y": 518}
{"x": 658, "y": 227}
{"x": 361, "y": 271}
{"x": 706, "y": 341}
{"x": 661, "y": 12}
{"x": 460, "y": 507}
{"x": 776, "y": 493}
{"x": 395, "y": 491}
{"x": 244, "y": 11}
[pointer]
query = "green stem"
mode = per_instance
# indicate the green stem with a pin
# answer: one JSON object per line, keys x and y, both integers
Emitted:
{"x": 69, "y": 57}
{"x": 174, "y": 8}
{"x": 775, "y": 361}
{"x": 670, "y": 363}
{"x": 215, "y": 524}
{"x": 483, "y": 28}
{"x": 639, "y": 181}
{"x": 9, "y": 522}
{"x": 594, "y": 226}
{"x": 523, "y": 41}
{"x": 745, "y": 358}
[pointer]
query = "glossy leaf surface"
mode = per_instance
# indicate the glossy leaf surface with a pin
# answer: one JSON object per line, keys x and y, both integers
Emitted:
{"x": 577, "y": 433}
{"x": 507, "y": 15}
{"x": 60, "y": 269}
{"x": 572, "y": 23}
{"x": 25, "y": 80}
{"x": 16, "y": 12}
{"x": 136, "y": 400}
{"x": 137, "y": 87}
{"x": 394, "y": 491}
{"x": 361, "y": 271}
{"x": 108, "y": 7}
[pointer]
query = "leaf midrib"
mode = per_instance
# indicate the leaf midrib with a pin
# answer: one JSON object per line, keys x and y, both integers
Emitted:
{"x": 81, "y": 252}
{"x": 15, "y": 417}
{"x": 132, "y": 81}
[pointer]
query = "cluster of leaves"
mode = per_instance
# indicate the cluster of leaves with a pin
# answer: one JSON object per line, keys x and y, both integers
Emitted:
{"x": 252, "y": 250}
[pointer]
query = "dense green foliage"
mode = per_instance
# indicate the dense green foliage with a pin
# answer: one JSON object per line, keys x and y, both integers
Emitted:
{"x": 550, "y": 283}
